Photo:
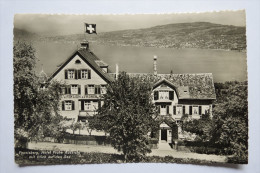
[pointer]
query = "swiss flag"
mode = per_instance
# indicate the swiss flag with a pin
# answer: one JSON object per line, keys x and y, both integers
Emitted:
{"x": 90, "y": 28}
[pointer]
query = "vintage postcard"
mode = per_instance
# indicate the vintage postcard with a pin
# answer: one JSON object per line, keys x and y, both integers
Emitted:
{"x": 149, "y": 88}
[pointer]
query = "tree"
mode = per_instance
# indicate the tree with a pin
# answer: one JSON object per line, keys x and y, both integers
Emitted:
{"x": 127, "y": 116}
{"x": 36, "y": 110}
{"x": 231, "y": 121}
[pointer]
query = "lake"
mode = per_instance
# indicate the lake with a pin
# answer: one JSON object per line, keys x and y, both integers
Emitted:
{"x": 225, "y": 65}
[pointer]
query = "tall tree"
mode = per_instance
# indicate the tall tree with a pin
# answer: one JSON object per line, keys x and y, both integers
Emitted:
{"x": 127, "y": 116}
{"x": 231, "y": 121}
{"x": 36, "y": 110}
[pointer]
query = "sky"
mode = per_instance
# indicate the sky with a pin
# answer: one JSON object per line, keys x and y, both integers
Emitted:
{"x": 46, "y": 24}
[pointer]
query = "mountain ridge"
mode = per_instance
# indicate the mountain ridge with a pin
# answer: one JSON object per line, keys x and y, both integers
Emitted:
{"x": 203, "y": 35}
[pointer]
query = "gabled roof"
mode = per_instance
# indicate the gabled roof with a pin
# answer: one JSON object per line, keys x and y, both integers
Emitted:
{"x": 189, "y": 86}
{"x": 88, "y": 57}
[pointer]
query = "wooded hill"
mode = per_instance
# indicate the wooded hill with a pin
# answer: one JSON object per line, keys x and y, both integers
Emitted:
{"x": 202, "y": 35}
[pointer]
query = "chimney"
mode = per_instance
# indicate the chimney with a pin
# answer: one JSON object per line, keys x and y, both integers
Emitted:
{"x": 155, "y": 65}
{"x": 84, "y": 45}
{"x": 117, "y": 71}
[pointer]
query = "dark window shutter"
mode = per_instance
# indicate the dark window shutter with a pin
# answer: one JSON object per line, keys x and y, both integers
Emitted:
{"x": 98, "y": 89}
{"x": 159, "y": 109}
{"x": 79, "y": 74}
{"x": 89, "y": 74}
{"x": 95, "y": 89}
{"x": 167, "y": 109}
{"x": 66, "y": 74}
{"x": 79, "y": 89}
{"x": 82, "y": 105}
{"x": 99, "y": 104}
{"x": 183, "y": 110}
{"x": 73, "y": 105}
{"x": 76, "y": 74}
{"x": 190, "y": 110}
{"x": 199, "y": 110}
{"x": 156, "y": 95}
{"x": 86, "y": 89}
{"x": 66, "y": 90}
{"x": 63, "y": 105}
{"x": 174, "y": 110}
{"x": 171, "y": 95}
{"x": 69, "y": 89}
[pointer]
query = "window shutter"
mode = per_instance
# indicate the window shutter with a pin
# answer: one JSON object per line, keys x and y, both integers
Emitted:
{"x": 174, "y": 110}
{"x": 72, "y": 105}
{"x": 69, "y": 89}
{"x": 199, "y": 110}
{"x": 98, "y": 89}
{"x": 99, "y": 104}
{"x": 66, "y": 89}
{"x": 66, "y": 74}
{"x": 89, "y": 74}
{"x": 190, "y": 110}
{"x": 183, "y": 110}
{"x": 86, "y": 90}
{"x": 82, "y": 105}
{"x": 171, "y": 95}
{"x": 63, "y": 105}
{"x": 76, "y": 74}
{"x": 79, "y": 89}
{"x": 159, "y": 109}
{"x": 79, "y": 74}
{"x": 95, "y": 89}
{"x": 156, "y": 94}
{"x": 167, "y": 107}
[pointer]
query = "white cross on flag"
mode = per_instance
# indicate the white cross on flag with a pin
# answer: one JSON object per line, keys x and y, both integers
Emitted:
{"x": 90, "y": 28}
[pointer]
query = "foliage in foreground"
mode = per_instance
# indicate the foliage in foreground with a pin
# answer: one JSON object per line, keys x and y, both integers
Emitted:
{"x": 127, "y": 115}
{"x": 98, "y": 158}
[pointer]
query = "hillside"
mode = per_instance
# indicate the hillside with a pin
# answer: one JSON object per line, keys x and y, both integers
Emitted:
{"x": 202, "y": 35}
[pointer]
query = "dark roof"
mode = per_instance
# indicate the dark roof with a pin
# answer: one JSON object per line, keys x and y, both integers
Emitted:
{"x": 90, "y": 58}
{"x": 188, "y": 86}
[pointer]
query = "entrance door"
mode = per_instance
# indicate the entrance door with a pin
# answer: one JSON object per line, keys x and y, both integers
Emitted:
{"x": 164, "y": 134}
{"x": 163, "y": 109}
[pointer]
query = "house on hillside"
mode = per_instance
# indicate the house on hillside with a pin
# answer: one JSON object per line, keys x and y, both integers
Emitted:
{"x": 175, "y": 95}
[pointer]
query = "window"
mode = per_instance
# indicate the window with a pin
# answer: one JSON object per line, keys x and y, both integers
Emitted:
{"x": 103, "y": 89}
{"x": 179, "y": 110}
{"x": 71, "y": 74}
{"x": 195, "y": 110}
{"x": 84, "y": 74}
{"x": 74, "y": 89}
{"x": 87, "y": 105}
{"x": 95, "y": 105}
{"x": 91, "y": 89}
{"x": 77, "y": 62}
{"x": 68, "y": 105}
{"x": 163, "y": 95}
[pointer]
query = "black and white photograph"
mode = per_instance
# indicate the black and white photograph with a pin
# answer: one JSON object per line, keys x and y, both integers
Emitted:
{"x": 130, "y": 88}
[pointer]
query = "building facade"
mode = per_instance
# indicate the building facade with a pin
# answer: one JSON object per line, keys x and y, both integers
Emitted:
{"x": 175, "y": 95}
